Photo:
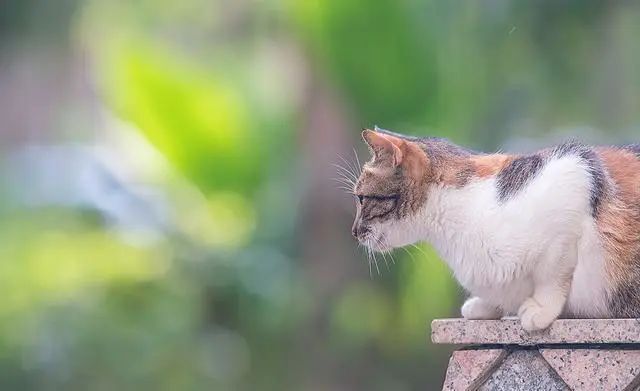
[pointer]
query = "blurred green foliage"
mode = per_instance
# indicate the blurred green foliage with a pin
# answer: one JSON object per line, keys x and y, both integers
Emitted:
{"x": 233, "y": 288}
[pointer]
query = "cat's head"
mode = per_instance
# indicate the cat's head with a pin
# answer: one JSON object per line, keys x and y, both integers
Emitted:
{"x": 390, "y": 191}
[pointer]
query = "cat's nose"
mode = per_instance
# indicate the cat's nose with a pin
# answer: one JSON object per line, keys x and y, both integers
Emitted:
{"x": 358, "y": 230}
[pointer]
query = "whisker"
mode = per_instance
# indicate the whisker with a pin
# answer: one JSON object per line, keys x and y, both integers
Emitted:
{"x": 351, "y": 165}
{"x": 385, "y": 260}
{"x": 348, "y": 167}
{"x": 348, "y": 170}
{"x": 373, "y": 256}
{"x": 376, "y": 262}
{"x": 393, "y": 260}
{"x": 369, "y": 259}
{"x": 345, "y": 172}
{"x": 366, "y": 252}
{"x": 343, "y": 181}
{"x": 379, "y": 243}
{"x": 421, "y": 250}
{"x": 357, "y": 160}
{"x": 413, "y": 259}
{"x": 345, "y": 161}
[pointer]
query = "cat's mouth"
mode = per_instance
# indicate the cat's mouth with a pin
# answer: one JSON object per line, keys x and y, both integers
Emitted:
{"x": 377, "y": 242}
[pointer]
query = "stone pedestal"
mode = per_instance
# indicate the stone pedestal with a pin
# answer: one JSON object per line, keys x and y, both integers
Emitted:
{"x": 573, "y": 354}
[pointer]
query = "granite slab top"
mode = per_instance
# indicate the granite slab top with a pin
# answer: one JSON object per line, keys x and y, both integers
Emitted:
{"x": 508, "y": 331}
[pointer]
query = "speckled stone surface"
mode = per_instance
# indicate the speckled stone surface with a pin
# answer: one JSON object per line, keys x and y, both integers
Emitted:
{"x": 524, "y": 370}
{"x": 469, "y": 368}
{"x": 576, "y": 354}
{"x": 594, "y": 369}
{"x": 509, "y": 331}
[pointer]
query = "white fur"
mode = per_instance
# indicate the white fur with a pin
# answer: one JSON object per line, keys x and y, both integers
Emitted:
{"x": 537, "y": 254}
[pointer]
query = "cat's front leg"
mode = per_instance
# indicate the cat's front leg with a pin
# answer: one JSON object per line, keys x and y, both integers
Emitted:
{"x": 540, "y": 310}
{"x": 552, "y": 283}
{"x": 477, "y": 308}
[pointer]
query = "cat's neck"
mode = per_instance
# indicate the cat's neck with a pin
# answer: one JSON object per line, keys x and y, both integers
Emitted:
{"x": 452, "y": 211}
{"x": 455, "y": 166}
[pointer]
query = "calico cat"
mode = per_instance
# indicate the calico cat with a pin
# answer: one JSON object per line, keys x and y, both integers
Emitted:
{"x": 549, "y": 234}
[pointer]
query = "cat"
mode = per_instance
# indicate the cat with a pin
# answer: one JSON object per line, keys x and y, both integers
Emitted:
{"x": 543, "y": 235}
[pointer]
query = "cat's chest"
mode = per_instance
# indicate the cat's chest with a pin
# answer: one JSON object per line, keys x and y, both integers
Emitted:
{"x": 487, "y": 271}
{"x": 488, "y": 246}
{"x": 478, "y": 260}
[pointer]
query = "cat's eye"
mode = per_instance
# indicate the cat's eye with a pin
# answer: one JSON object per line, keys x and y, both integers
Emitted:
{"x": 361, "y": 198}
{"x": 382, "y": 206}
{"x": 382, "y": 197}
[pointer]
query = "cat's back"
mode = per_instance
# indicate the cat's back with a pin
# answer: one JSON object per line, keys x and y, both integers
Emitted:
{"x": 517, "y": 205}
{"x": 550, "y": 189}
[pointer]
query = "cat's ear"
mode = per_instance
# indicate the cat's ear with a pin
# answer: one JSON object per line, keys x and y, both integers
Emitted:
{"x": 384, "y": 146}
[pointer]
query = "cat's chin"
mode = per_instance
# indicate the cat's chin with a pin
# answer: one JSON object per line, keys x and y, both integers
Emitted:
{"x": 378, "y": 244}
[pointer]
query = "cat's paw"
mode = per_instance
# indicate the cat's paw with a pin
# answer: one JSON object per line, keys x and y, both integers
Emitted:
{"x": 535, "y": 317}
{"x": 476, "y": 308}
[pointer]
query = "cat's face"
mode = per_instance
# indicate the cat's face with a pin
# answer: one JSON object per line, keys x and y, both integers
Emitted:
{"x": 389, "y": 192}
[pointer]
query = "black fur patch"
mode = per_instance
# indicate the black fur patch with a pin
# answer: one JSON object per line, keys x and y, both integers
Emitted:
{"x": 599, "y": 181}
{"x": 515, "y": 176}
{"x": 624, "y": 301}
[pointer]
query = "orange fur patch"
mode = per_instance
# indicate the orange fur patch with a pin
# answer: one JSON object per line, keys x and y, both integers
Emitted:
{"x": 619, "y": 220}
{"x": 490, "y": 165}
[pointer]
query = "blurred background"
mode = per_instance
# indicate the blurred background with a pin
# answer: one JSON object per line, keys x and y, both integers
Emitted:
{"x": 168, "y": 215}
